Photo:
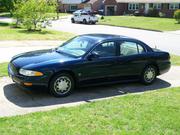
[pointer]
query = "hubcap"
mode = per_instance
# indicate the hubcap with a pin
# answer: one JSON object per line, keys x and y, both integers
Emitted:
{"x": 149, "y": 74}
{"x": 62, "y": 85}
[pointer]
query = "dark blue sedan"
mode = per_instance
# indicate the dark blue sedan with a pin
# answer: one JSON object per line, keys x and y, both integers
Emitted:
{"x": 89, "y": 60}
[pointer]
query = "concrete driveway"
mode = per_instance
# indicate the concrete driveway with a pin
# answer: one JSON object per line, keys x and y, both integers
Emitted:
{"x": 15, "y": 100}
{"x": 168, "y": 41}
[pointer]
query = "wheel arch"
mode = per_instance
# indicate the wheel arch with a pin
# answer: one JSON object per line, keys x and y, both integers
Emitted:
{"x": 66, "y": 71}
{"x": 153, "y": 64}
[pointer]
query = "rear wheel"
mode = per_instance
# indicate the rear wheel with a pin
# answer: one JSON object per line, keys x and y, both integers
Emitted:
{"x": 61, "y": 85}
{"x": 84, "y": 21}
{"x": 149, "y": 75}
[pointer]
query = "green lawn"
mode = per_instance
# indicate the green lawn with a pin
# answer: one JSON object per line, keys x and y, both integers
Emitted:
{"x": 5, "y": 14}
{"x": 155, "y": 112}
{"x": 9, "y": 33}
{"x": 175, "y": 60}
{"x": 60, "y": 14}
{"x": 161, "y": 24}
{"x": 3, "y": 69}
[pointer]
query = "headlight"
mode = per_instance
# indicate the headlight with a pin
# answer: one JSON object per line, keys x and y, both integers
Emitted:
{"x": 29, "y": 72}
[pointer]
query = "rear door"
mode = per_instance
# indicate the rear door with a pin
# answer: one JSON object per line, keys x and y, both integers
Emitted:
{"x": 131, "y": 59}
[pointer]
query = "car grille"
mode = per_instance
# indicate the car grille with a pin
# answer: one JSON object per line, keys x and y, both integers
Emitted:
{"x": 13, "y": 68}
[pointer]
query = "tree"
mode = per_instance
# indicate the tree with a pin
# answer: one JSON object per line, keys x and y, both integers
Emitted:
{"x": 177, "y": 15}
{"x": 8, "y": 4}
{"x": 33, "y": 13}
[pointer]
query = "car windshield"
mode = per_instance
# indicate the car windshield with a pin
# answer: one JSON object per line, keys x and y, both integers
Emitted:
{"x": 77, "y": 46}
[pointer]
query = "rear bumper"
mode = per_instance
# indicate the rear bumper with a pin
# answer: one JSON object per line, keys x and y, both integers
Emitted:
{"x": 21, "y": 80}
{"x": 164, "y": 67}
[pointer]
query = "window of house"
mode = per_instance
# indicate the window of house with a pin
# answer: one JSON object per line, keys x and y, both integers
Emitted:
{"x": 157, "y": 5}
{"x": 133, "y": 6}
{"x": 130, "y": 48}
{"x": 174, "y": 6}
{"x": 73, "y": 7}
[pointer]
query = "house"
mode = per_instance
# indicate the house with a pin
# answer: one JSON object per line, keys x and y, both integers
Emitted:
{"x": 120, "y": 7}
{"x": 73, "y": 5}
{"x": 70, "y": 5}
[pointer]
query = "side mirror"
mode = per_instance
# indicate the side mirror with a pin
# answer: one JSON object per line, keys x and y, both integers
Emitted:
{"x": 93, "y": 55}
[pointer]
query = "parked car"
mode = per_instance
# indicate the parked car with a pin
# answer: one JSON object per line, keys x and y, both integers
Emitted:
{"x": 85, "y": 17}
{"x": 89, "y": 60}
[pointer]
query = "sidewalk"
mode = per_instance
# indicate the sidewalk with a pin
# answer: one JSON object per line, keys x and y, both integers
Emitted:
{"x": 10, "y": 48}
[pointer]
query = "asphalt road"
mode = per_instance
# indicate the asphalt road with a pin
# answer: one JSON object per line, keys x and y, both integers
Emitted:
{"x": 167, "y": 41}
{"x": 15, "y": 100}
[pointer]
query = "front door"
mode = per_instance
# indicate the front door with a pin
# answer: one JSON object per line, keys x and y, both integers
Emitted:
{"x": 101, "y": 68}
{"x": 110, "y": 10}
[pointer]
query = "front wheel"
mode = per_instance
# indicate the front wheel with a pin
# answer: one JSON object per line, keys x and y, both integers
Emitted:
{"x": 84, "y": 21}
{"x": 72, "y": 20}
{"x": 149, "y": 75}
{"x": 61, "y": 85}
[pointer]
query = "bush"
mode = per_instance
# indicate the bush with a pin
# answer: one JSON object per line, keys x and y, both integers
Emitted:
{"x": 161, "y": 14}
{"x": 153, "y": 13}
{"x": 177, "y": 15}
{"x": 33, "y": 13}
{"x": 137, "y": 13}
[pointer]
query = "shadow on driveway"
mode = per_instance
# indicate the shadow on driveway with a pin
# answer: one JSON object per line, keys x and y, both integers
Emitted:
{"x": 39, "y": 97}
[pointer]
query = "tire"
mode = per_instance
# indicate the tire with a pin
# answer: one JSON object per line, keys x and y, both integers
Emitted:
{"x": 66, "y": 85}
{"x": 93, "y": 22}
{"x": 149, "y": 75}
{"x": 72, "y": 20}
{"x": 84, "y": 21}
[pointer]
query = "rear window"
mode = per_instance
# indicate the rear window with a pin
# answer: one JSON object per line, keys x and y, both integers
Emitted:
{"x": 130, "y": 48}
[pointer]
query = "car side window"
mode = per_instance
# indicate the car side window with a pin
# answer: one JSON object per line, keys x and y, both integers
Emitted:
{"x": 106, "y": 49}
{"x": 140, "y": 49}
{"x": 130, "y": 48}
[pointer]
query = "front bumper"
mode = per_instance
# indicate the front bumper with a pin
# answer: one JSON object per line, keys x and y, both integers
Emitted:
{"x": 23, "y": 80}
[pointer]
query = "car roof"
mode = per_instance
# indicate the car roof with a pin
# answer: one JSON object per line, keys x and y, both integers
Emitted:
{"x": 101, "y": 37}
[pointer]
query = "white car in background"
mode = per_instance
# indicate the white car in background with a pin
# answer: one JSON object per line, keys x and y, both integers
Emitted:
{"x": 84, "y": 16}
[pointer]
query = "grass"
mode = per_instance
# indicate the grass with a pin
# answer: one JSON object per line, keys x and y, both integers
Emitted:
{"x": 5, "y": 14}
{"x": 151, "y": 23}
{"x": 175, "y": 60}
{"x": 155, "y": 112}
{"x": 60, "y": 14}
{"x": 3, "y": 69}
{"x": 9, "y": 33}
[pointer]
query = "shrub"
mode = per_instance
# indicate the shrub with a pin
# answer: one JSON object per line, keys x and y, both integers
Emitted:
{"x": 161, "y": 14}
{"x": 153, "y": 13}
{"x": 102, "y": 17}
{"x": 137, "y": 13}
{"x": 33, "y": 13}
{"x": 177, "y": 15}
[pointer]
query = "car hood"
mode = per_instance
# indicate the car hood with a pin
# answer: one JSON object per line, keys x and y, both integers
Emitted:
{"x": 40, "y": 57}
